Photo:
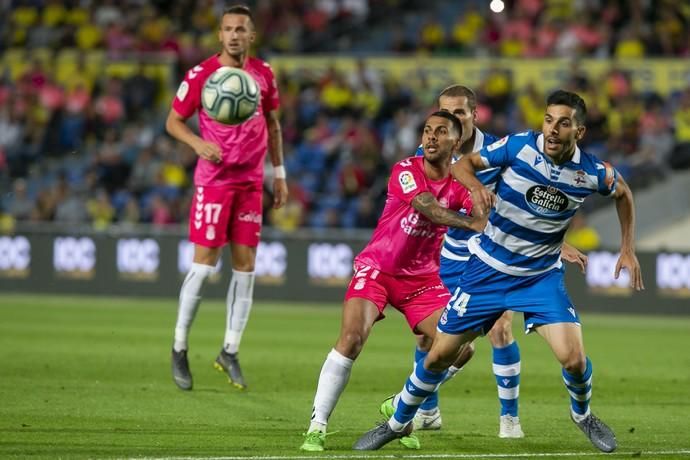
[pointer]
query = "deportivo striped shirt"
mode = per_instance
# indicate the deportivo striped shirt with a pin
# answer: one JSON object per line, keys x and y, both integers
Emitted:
{"x": 535, "y": 201}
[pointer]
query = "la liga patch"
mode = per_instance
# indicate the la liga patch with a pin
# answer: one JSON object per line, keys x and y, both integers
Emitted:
{"x": 407, "y": 181}
{"x": 499, "y": 143}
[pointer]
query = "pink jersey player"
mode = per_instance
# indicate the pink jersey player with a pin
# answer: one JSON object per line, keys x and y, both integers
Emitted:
{"x": 243, "y": 146}
{"x": 405, "y": 241}
{"x": 402, "y": 256}
{"x": 226, "y": 204}
{"x": 400, "y": 265}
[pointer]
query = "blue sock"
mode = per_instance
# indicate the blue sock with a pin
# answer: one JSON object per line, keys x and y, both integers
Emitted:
{"x": 420, "y": 384}
{"x": 431, "y": 402}
{"x": 507, "y": 373}
{"x": 580, "y": 389}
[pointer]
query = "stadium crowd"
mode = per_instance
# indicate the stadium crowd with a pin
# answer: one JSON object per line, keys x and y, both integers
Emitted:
{"x": 90, "y": 147}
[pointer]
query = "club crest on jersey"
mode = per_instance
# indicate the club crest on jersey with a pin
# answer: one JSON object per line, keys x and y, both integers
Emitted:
{"x": 444, "y": 316}
{"x": 546, "y": 200}
{"x": 579, "y": 178}
{"x": 407, "y": 181}
{"x": 499, "y": 143}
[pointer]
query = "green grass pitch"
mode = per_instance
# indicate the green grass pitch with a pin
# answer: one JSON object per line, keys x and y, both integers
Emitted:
{"x": 89, "y": 377}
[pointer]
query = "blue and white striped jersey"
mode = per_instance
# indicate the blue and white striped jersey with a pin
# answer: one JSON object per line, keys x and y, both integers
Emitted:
{"x": 535, "y": 200}
{"x": 455, "y": 241}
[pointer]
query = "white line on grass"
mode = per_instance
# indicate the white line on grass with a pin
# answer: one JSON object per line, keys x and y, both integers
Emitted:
{"x": 425, "y": 456}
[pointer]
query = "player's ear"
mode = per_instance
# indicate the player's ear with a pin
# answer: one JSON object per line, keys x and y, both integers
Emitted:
{"x": 580, "y": 132}
{"x": 456, "y": 145}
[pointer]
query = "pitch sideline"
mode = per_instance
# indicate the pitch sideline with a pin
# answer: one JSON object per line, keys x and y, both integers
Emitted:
{"x": 427, "y": 456}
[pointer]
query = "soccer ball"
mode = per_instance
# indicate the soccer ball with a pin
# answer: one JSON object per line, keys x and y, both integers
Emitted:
{"x": 230, "y": 96}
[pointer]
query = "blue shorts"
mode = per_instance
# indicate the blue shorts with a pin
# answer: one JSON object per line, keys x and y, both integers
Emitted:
{"x": 485, "y": 293}
{"x": 451, "y": 271}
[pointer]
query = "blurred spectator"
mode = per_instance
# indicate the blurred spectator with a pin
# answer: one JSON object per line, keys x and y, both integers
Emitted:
{"x": 101, "y": 211}
{"x": 20, "y": 205}
{"x": 161, "y": 214}
{"x": 145, "y": 171}
{"x": 432, "y": 34}
{"x": 84, "y": 129}
{"x": 139, "y": 93}
{"x": 71, "y": 209}
{"x": 681, "y": 120}
{"x": 130, "y": 214}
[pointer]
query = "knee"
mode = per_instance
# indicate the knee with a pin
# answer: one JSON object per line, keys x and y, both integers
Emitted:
{"x": 243, "y": 266}
{"x": 501, "y": 334}
{"x": 438, "y": 361}
{"x": 351, "y": 342}
{"x": 575, "y": 363}
{"x": 243, "y": 258}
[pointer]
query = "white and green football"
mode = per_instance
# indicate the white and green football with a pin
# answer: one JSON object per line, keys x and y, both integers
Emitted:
{"x": 230, "y": 95}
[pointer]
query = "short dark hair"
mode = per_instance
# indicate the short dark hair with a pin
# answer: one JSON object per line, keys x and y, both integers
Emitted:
{"x": 569, "y": 99}
{"x": 459, "y": 91}
{"x": 448, "y": 116}
{"x": 239, "y": 9}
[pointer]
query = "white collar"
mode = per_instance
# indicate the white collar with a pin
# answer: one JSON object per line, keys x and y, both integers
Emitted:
{"x": 478, "y": 140}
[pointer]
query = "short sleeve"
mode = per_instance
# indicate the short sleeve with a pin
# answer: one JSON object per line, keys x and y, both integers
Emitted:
{"x": 406, "y": 182}
{"x": 270, "y": 99}
{"x": 499, "y": 153}
{"x": 607, "y": 178}
{"x": 188, "y": 97}
{"x": 467, "y": 203}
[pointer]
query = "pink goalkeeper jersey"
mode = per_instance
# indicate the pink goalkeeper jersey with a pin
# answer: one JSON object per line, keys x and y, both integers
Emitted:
{"x": 243, "y": 146}
{"x": 405, "y": 242}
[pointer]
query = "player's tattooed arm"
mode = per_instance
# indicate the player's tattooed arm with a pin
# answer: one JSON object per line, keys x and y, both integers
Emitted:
{"x": 429, "y": 206}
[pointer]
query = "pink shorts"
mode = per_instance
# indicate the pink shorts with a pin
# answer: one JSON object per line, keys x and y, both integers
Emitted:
{"x": 222, "y": 214}
{"x": 416, "y": 297}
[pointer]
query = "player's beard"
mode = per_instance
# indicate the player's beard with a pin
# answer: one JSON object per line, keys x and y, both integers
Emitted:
{"x": 238, "y": 52}
{"x": 438, "y": 159}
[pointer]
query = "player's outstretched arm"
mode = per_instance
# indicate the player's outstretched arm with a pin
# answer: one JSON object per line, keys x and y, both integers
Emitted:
{"x": 464, "y": 172}
{"x": 177, "y": 127}
{"x": 275, "y": 149}
{"x": 428, "y": 205}
{"x": 625, "y": 207}
{"x": 574, "y": 256}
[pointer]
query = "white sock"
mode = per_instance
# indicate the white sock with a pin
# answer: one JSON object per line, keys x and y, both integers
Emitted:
{"x": 452, "y": 372}
{"x": 334, "y": 376}
{"x": 316, "y": 426}
{"x": 190, "y": 296}
{"x": 579, "y": 417}
{"x": 239, "y": 304}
